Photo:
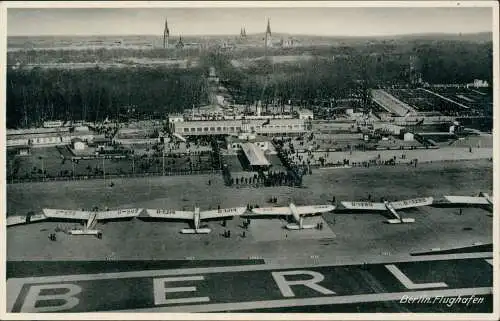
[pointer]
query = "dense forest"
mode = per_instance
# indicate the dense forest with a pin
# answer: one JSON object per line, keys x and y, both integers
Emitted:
{"x": 93, "y": 94}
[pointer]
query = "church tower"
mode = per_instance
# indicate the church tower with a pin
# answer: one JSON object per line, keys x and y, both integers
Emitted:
{"x": 267, "y": 39}
{"x": 166, "y": 35}
{"x": 243, "y": 33}
{"x": 180, "y": 43}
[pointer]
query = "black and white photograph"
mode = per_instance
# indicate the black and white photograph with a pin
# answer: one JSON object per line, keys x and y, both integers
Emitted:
{"x": 241, "y": 158}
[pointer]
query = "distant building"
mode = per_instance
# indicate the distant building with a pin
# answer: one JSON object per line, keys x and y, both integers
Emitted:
{"x": 82, "y": 128}
{"x": 243, "y": 34}
{"x": 175, "y": 118}
{"x": 408, "y": 137}
{"x": 254, "y": 158}
{"x": 233, "y": 143}
{"x": 53, "y": 123}
{"x": 101, "y": 142}
{"x": 388, "y": 128}
{"x": 78, "y": 144}
{"x": 49, "y": 139}
{"x": 288, "y": 43}
{"x": 21, "y": 150}
{"x": 235, "y": 127}
{"x": 480, "y": 83}
{"x": 305, "y": 114}
{"x": 166, "y": 35}
{"x": 180, "y": 43}
{"x": 43, "y": 137}
{"x": 268, "y": 42}
{"x": 221, "y": 100}
{"x": 212, "y": 76}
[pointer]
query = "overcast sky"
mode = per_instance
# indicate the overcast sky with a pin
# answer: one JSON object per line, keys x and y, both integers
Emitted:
{"x": 216, "y": 21}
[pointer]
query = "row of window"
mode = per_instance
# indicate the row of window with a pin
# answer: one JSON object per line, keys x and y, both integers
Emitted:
{"x": 212, "y": 129}
{"x": 236, "y": 129}
{"x": 42, "y": 140}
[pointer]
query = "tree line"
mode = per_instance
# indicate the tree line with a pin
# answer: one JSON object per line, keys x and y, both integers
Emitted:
{"x": 94, "y": 94}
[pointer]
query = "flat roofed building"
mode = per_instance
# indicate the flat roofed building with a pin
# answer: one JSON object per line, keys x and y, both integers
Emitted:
{"x": 305, "y": 114}
{"x": 254, "y": 156}
{"x": 78, "y": 144}
{"x": 53, "y": 123}
{"x": 234, "y": 127}
{"x": 18, "y": 141}
{"x": 45, "y": 136}
{"x": 175, "y": 118}
{"x": 408, "y": 137}
{"x": 21, "y": 150}
{"x": 27, "y": 131}
{"x": 234, "y": 143}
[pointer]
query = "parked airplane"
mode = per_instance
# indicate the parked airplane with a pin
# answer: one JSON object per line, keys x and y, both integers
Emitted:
{"x": 297, "y": 212}
{"x": 196, "y": 216}
{"x": 391, "y": 207}
{"x": 482, "y": 199}
{"x": 90, "y": 217}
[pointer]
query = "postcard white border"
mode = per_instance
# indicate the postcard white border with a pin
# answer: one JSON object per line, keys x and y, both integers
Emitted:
{"x": 247, "y": 4}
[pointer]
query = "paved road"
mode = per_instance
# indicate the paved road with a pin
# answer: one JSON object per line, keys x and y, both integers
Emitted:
{"x": 387, "y": 287}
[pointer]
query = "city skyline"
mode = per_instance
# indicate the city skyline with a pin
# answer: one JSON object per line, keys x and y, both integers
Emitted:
{"x": 350, "y": 22}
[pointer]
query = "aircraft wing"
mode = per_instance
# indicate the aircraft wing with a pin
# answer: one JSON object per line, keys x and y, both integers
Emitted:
{"x": 23, "y": 219}
{"x": 223, "y": 212}
{"x": 416, "y": 202}
{"x": 170, "y": 214}
{"x": 67, "y": 214}
{"x": 122, "y": 213}
{"x": 314, "y": 209}
{"x": 272, "y": 211}
{"x": 467, "y": 200}
{"x": 369, "y": 206}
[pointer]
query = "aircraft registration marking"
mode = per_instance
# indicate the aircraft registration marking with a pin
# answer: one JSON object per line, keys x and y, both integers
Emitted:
{"x": 165, "y": 212}
{"x": 66, "y": 212}
{"x": 127, "y": 211}
{"x": 414, "y": 201}
{"x": 228, "y": 210}
{"x": 362, "y": 204}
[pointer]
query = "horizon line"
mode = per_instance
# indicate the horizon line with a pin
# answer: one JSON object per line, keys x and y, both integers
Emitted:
{"x": 257, "y": 33}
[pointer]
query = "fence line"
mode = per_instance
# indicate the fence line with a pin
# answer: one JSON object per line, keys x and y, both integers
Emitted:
{"x": 110, "y": 176}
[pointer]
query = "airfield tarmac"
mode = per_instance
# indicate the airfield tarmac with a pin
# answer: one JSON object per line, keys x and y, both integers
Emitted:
{"x": 346, "y": 238}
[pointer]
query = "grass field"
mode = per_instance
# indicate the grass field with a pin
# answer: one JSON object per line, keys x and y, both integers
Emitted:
{"x": 400, "y": 181}
{"x": 50, "y": 160}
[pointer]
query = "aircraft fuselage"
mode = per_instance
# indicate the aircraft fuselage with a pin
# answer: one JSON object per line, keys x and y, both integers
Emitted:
{"x": 295, "y": 214}
{"x": 196, "y": 218}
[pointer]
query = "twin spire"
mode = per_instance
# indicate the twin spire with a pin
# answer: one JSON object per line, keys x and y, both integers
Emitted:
{"x": 166, "y": 37}
{"x": 243, "y": 34}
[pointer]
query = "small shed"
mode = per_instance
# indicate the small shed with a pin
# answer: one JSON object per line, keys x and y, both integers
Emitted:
{"x": 408, "y": 137}
{"x": 23, "y": 150}
{"x": 78, "y": 144}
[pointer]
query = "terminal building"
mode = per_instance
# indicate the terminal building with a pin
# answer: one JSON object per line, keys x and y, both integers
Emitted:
{"x": 289, "y": 127}
{"x": 45, "y": 137}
